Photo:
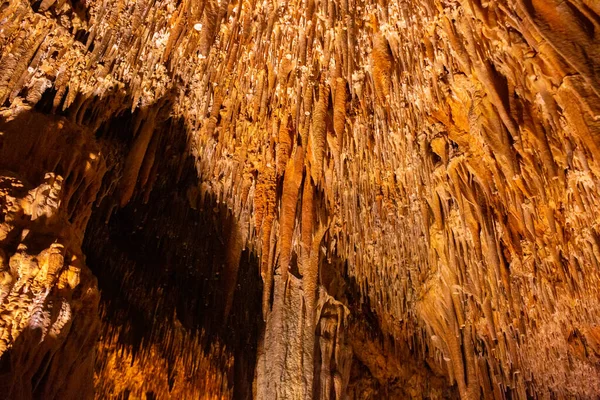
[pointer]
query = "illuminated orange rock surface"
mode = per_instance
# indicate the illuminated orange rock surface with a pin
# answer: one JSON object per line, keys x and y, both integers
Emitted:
{"x": 300, "y": 199}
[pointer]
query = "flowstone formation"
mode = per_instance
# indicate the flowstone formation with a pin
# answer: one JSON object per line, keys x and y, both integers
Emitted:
{"x": 300, "y": 199}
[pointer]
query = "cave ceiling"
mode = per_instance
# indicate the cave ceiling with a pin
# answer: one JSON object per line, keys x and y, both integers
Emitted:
{"x": 302, "y": 199}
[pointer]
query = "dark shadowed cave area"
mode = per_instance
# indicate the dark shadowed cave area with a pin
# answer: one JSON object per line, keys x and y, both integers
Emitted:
{"x": 162, "y": 261}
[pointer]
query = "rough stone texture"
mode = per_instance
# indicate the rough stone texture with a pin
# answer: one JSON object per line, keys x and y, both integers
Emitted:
{"x": 310, "y": 199}
{"x": 49, "y": 299}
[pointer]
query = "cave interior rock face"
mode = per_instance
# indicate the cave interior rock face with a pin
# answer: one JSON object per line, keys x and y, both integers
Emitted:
{"x": 299, "y": 199}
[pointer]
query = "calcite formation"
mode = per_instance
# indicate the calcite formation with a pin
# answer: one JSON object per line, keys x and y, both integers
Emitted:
{"x": 49, "y": 298}
{"x": 300, "y": 199}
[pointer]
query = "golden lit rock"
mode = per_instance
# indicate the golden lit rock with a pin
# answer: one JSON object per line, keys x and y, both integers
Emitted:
{"x": 308, "y": 199}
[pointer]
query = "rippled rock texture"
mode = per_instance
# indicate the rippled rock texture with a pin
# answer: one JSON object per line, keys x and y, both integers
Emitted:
{"x": 300, "y": 199}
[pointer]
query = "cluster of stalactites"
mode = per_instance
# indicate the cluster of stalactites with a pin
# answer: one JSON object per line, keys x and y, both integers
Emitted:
{"x": 444, "y": 149}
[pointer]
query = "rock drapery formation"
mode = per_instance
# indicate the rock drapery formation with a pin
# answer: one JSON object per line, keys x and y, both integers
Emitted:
{"x": 299, "y": 199}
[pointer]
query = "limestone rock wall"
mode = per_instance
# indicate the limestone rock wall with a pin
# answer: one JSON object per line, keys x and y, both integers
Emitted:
{"x": 428, "y": 166}
{"x": 48, "y": 297}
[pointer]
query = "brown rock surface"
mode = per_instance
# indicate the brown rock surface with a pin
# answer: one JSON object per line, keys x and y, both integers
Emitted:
{"x": 299, "y": 199}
